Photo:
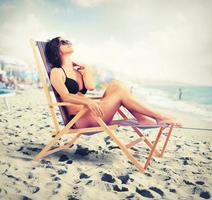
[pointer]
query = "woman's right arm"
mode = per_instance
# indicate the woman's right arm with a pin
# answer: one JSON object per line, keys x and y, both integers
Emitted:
{"x": 56, "y": 78}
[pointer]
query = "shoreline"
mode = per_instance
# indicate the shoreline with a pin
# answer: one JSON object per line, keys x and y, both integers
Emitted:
{"x": 191, "y": 121}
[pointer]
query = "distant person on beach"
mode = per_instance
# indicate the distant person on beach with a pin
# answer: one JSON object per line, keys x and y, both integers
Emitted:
{"x": 71, "y": 81}
{"x": 3, "y": 80}
{"x": 180, "y": 94}
{"x": 7, "y": 82}
{"x": 12, "y": 82}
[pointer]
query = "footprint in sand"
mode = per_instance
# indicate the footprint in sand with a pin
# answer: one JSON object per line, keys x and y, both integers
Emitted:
{"x": 144, "y": 193}
{"x": 61, "y": 171}
{"x": 130, "y": 196}
{"x": 3, "y": 192}
{"x": 107, "y": 178}
{"x": 72, "y": 198}
{"x": 157, "y": 190}
{"x": 188, "y": 182}
{"x": 27, "y": 186}
{"x": 205, "y": 195}
{"x": 82, "y": 151}
{"x": 172, "y": 190}
{"x": 56, "y": 178}
{"x": 120, "y": 189}
{"x": 83, "y": 176}
{"x": 107, "y": 140}
{"x": 200, "y": 182}
{"x": 55, "y": 186}
{"x": 69, "y": 162}
{"x": 63, "y": 158}
{"x": 124, "y": 179}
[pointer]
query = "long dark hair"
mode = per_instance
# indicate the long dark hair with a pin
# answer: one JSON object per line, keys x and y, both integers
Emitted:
{"x": 52, "y": 51}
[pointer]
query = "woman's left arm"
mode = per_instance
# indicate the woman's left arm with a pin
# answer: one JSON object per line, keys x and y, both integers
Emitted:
{"x": 88, "y": 77}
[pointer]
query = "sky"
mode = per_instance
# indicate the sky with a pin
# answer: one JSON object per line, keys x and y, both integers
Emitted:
{"x": 148, "y": 40}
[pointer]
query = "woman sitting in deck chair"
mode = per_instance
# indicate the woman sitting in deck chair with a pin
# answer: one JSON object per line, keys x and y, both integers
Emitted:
{"x": 71, "y": 81}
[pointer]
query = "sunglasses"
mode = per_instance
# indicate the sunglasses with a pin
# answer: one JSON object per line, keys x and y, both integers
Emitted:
{"x": 64, "y": 42}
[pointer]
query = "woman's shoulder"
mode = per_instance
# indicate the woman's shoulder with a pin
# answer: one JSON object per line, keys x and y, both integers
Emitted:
{"x": 56, "y": 70}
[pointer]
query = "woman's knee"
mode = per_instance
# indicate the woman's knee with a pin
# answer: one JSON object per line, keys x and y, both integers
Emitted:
{"x": 118, "y": 85}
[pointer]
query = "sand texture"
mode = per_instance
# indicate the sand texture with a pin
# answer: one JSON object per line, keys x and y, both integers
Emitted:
{"x": 95, "y": 168}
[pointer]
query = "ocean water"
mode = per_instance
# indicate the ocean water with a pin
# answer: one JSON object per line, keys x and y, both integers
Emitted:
{"x": 194, "y": 99}
{"x": 5, "y": 91}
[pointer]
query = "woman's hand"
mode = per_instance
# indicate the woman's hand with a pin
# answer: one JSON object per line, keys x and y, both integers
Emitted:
{"x": 82, "y": 69}
{"x": 95, "y": 108}
{"x": 88, "y": 77}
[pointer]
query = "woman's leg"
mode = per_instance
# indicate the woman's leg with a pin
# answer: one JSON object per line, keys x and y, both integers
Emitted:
{"x": 140, "y": 111}
{"x": 142, "y": 118}
{"x": 115, "y": 96}
{"x": 130, "y": 102}
{"x": 110, "y": 103}
{"x": 117, "y": 88}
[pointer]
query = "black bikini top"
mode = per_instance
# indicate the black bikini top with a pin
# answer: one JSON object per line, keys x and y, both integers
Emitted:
{"x": 73, "y": 86}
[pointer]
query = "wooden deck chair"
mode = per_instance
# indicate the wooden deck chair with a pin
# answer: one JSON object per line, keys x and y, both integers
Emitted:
{"x": 42, "y": 63}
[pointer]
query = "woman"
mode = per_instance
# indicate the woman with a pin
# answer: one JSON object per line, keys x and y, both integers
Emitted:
{"x": 71, "y": 81}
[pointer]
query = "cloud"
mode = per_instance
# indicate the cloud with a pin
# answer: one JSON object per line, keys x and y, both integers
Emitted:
{"x": 136, "y": 38}
{"x": 90, "y": 3}
{"x": 7, "y": 7}
{"x": 17, "y": 34}
{"x": 174, "y": 53}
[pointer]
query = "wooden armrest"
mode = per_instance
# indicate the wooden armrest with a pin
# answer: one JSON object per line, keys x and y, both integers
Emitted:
{"x": 95, "y": 97}
{"x": 60, "y": 104}
{"x": 67, "y": 103}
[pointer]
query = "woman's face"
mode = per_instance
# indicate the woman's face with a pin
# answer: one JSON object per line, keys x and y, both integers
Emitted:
{"x": 66, "y": 47}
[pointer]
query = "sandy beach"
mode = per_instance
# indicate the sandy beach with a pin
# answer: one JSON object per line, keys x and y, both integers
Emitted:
{"x": 95, "y": 169}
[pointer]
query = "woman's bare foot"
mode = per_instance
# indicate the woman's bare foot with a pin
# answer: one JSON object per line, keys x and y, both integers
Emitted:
{"x": 169, "y": 121}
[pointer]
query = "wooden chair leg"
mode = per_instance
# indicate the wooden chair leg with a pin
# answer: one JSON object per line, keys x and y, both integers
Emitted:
{"x": 149, "y": 144}
{"x": 48, "y": 146}
{"x": 153, "y": 148}
{"x": 122, "y": 146}
{"x": 60, "y": 134}
{"x": 140, "y": 134}
{"x": 66, "y": 146}
{"x": 166, "y": 142}
{"x": 156, "y": 152}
